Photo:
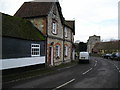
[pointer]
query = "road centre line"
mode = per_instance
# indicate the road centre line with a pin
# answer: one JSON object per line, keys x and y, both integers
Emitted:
{"x": 90, "y": 68}
{"x": 87, "y": 71}
{"x": 95, "y": 63}
{"x": 64, "y": 84}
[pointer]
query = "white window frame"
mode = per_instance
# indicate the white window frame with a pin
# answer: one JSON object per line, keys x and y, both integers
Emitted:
{"x": 66, "y": 35}
{"x": 57, "y": 50}
{"x": 66, "y": 50}
{"x": 54, "y": 28}
{"x": 35, "y": 50}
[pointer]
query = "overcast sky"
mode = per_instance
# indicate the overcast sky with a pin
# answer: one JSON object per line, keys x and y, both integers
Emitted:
{"x": 99, "y": 17}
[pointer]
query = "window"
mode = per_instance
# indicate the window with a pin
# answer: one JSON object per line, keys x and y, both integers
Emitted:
{"x": 54, "y": 28}
{"x": 65, "y": 32}
{"x": 35, "y": 49}
{"x": 57, "y": 51}
{"x": 66, "y": 51}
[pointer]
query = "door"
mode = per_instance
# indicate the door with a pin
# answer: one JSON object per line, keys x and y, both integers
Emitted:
{"x": 51, "y": 55}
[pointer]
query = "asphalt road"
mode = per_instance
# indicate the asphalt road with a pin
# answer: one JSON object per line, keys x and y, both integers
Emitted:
{"x": 99, "y": 73}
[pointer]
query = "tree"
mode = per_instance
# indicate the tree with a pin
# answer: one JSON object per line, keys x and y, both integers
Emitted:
{"x": 81, "y": 47}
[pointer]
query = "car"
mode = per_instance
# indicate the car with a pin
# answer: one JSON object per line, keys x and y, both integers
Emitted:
{"x": 83, "y": 57}
{"x": 115, "y": 56}
{"x": 107, "y": 56}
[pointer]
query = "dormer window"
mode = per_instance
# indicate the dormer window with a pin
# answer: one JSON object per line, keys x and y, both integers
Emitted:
{"x": 54, "y": 27}
{"x": 66, "y": 35}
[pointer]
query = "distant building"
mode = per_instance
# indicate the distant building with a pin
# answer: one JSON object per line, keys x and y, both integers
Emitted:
{"x": 91, "y": 42}
{"x": 107, "y": 47}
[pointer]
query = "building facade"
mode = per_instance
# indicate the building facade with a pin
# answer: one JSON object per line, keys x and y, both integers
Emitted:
{"x": 91, "y": 42}
{"x": 48, "y": 18}
{"x": 107, "y": 47}
{"x": 23, "y": 45}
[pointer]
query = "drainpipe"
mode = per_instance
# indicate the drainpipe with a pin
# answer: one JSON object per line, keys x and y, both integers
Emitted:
{"x": 63, "y": 42}
{"x": 46, "y": 41}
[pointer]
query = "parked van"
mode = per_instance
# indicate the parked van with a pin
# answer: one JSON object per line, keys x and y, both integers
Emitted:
{"x": 84, "y": 57}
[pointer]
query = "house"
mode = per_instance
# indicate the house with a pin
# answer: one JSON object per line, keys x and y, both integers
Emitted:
{"x": 48, "y": 18}
{"x": 69, "y": 32}
{"x": 91, "y": 42}
{"x": 107, "y": 47}
{"x": 23, "y": 44}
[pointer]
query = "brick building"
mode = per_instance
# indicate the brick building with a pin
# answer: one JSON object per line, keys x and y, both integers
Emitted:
{"x": 48, "y": 18}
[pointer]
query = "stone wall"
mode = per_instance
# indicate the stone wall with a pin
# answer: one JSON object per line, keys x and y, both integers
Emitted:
{"x": 53, "y": 42}
{"x": 55, "y": 17}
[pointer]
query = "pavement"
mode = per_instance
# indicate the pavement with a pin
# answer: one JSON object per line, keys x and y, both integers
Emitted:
{"x": 99, "y": 73}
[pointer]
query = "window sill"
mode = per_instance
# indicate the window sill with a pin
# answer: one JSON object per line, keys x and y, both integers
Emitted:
{"x": 54, "y": 33}
{"x": 65, "y": 56}
{"x": 57, "y": 57}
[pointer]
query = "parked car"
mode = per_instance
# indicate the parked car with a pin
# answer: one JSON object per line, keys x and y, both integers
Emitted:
{"x": 84, "y": 57}
{"x": 115, "y": 56}
{"x": 107, "y": 56}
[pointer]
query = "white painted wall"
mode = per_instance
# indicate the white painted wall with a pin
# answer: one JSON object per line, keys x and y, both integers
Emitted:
{"x": 21, "y": 62}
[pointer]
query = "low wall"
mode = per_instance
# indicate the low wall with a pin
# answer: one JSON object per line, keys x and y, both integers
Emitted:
{"x": 21, "y": 62}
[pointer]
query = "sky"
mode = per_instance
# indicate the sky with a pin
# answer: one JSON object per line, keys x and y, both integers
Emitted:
{"x": 92, "y": 17}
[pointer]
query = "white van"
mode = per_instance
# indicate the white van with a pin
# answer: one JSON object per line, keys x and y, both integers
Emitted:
{"x": 84, "y": 57}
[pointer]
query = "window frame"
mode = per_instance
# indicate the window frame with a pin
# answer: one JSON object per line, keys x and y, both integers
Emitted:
{"x": 66, "y": 33}
{"x": 66, "y": 51}
{"x": 54, "y": 27}
{"x": 57, "y": 51}
{"x": 33, "y": 48}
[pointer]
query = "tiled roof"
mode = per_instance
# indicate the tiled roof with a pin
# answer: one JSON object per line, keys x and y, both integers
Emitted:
{"x": 38, "y": 9}
{"x": 19, "y": 28}
{"x": 34, "y": 9}
{"x": 107, "y": 45}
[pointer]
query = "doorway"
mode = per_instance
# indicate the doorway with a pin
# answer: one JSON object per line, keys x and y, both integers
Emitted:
{"x": 51, "y": 55}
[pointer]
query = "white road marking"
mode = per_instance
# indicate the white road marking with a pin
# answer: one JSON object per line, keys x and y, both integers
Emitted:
{"x": 90, "y": 68}
{"x": 95, "y": 64}
{"x": 64, "y": 84}
{"x": 117, "y": 67}
{"x": 87, "y": 71}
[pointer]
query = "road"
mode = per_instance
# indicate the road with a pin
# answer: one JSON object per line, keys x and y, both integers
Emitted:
{"x": 99, "y": 73}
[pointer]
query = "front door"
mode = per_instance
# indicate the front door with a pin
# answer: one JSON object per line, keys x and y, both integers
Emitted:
{"x": 51, "y": 55}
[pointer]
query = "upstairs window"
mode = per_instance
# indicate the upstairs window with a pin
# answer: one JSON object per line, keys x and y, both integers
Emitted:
{"x": 66, "y": 35}
{"x": 35, "y": 50}
{"x": 54, "y": 28}
{"x": 57, "y": 51}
